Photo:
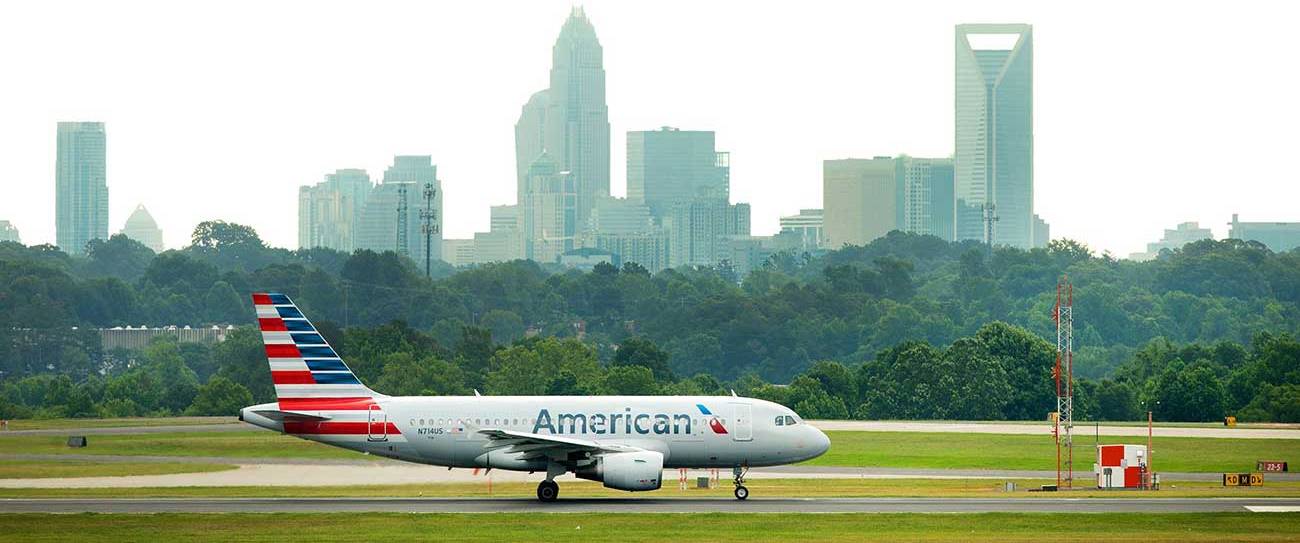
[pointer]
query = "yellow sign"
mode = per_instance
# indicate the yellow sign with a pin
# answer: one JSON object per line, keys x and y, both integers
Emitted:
{"x": 1243, "y": 479}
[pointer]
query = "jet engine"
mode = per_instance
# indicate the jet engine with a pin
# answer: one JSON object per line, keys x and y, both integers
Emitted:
{"x": 638, "y": 470}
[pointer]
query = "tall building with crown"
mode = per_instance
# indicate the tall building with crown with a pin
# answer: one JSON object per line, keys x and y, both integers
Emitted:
{"x": 141, "y": 227}
{"x": 570, "y": 117}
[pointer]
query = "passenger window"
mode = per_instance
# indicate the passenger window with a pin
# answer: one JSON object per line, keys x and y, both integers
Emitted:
{"x": 789, "y": 421}
{"x": 780, "y": 421}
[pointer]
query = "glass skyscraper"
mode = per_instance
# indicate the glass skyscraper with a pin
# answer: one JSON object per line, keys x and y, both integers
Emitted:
{"x": 570, "y": 116}
{"x": 80, "y": 186}
{"x": 669, "y": 166}
{"x": 994, "y": 160}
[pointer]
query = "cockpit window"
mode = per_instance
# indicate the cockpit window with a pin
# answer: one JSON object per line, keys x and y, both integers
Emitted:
{"x": 789, "y": 421}
{"x": 780, "y": 421}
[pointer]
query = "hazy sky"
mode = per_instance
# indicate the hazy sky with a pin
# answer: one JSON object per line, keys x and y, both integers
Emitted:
{"x": 1146, "y": 113}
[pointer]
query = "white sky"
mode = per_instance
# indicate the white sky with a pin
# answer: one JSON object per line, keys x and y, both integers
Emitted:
{"x": 1147, "y": 113}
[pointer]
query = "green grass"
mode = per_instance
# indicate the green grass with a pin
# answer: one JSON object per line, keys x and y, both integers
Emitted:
{"x": 648, "y": 527}
{"x": 874, "y": 449}
{"x": 785, "y": 488}
{"x": 243, "y": 444}
{"x": 131, "y": 422}
{"x": 25, "y": 469}
{"x": 1030, "y": 452}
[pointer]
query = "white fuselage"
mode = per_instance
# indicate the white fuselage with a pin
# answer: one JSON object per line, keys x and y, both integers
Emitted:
{"x": 690, "y": 431}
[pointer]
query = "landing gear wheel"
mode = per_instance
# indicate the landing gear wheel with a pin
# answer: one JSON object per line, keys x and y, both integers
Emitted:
{"x": 548, "y": 491}
{"x": 739, "y": 473}
{"x": 741, "y": 492}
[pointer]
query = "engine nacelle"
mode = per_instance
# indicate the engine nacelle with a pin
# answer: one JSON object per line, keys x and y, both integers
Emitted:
{"x": 639, "y": 470}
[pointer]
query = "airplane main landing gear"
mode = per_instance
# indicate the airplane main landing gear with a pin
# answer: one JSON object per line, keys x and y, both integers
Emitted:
{"x": 548, "y": 491}
{"x": 739, "y": 473}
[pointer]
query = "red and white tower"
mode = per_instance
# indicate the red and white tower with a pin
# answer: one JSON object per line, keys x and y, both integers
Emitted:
{"x": 1063, "y": 374}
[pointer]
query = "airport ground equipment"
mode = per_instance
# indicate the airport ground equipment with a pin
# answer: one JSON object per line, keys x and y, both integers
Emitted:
{"x": 1121, "y": 466}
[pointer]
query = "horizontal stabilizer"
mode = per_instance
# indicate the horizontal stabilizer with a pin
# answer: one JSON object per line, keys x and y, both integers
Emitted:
{"x": 290, "y": 416}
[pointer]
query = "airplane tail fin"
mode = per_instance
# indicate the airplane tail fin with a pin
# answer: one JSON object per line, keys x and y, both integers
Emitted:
{"x": 308, "y": 374}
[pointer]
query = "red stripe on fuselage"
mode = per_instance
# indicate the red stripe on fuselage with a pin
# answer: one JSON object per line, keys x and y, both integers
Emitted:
{"x": 290, "y": 377}
{"x": 272, "y": 325}
{"x": 261, "y": 299}
{"x": 340, "y": 428}
{"x": 326, "y": 404}
{"x": 286, "y": 350}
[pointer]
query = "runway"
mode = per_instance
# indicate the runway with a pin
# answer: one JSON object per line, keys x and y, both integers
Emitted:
{"x": 652, "y": 505}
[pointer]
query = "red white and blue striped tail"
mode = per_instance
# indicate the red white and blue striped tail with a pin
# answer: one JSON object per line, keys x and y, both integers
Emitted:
{"x": 307, "y": 372}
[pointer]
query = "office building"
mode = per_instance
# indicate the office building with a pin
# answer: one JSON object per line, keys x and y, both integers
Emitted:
{"x": 391, "y": 220}
{"x": 141, "y": 227}
{"x": 1174, "y": 238}
{"x": 330, "y": 211}
{"x": 550, "y": 225}
{"x": 80, "y": 186}
{"x": 9, "y": 232}
{"x": 994, "y": 159}
{"x": 925, "y": 196}
{"x": 698, "y": 231}
{"x": 1277, "y": 236}
{"x": 458, "y": 252}
{"x": 668, "y": 166}
{"x": 860, "y": 200}
{"x": 806, "y": 227}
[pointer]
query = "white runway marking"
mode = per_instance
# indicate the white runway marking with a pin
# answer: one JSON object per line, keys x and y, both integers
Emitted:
{"x": 1273, "y": 508}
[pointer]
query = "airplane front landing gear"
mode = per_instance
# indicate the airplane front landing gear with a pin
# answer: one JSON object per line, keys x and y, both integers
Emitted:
{"x": 739, "y": 473}
{"x": 548, "y": 491}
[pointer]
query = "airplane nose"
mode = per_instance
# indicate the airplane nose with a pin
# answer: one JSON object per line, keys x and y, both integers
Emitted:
{"x": 821, "y": 443}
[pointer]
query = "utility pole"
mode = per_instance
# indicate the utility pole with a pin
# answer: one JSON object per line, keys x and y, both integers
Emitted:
{"x": 429, "y": 224}
{"x": 403, "y": 247}
{"x": 1063, "y": 374}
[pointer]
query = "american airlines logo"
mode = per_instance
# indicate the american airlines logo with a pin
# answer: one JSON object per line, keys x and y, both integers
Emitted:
{"x": 625, "y": 423}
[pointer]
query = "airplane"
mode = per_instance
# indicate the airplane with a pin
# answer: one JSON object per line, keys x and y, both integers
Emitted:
{"x": 624, "y": 442}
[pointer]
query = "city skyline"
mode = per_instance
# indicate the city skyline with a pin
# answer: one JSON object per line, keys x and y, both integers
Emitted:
{"x": 1148, "y": 153}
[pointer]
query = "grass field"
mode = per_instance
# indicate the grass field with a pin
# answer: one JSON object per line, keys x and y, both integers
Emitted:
{"x": 1029, "y": 452}
{"x": 877, "y": 449}
{"x": 198, "y": 528}
{"x": 23, "y": 469}
{"x": 131, "y": 422}
{"x": 246, "y": 444}
{"x": 767, "y": 488}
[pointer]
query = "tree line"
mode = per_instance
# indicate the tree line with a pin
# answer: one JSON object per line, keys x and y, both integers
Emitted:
{"x": 905, "y": 327}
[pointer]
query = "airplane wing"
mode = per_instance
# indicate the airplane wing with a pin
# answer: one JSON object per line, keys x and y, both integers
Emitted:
{"x": 545, "y": 446}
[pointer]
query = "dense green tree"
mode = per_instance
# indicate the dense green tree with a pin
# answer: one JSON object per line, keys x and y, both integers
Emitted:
{"x": 220, "y": 396}
{"x": 637, "y": 351}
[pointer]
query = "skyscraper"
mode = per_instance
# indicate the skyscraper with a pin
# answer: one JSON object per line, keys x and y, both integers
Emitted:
{"x": 530, "y": 138}
{"x": 329, "y": 212}
{"x": 577, "y": 119}
{"x": 860, "y": 200}
{"x": 669, "y": 166}
{"x": 141, "y": 227}
{"x": 80, "y": 186}
{"x": 994, "y": 160}
{"x": 699, "y": 230}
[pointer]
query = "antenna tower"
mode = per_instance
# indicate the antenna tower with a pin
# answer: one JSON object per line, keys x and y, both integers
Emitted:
{"x": 428, "y": 224}
{"x": 403, "y": 247}
{"x": 1063, "y": 374}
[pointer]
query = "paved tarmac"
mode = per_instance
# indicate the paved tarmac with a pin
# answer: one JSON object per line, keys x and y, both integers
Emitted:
{"x": 652, "y": 505}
